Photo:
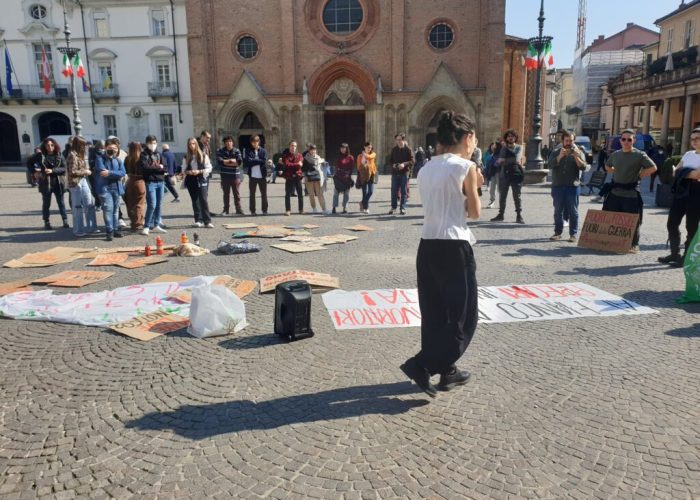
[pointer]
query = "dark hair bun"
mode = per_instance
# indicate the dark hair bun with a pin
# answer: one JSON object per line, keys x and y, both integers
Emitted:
{"x": 452, "y": 127}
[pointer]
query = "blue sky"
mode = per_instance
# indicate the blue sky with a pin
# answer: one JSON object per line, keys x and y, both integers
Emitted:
{"x": 605, "y": 17}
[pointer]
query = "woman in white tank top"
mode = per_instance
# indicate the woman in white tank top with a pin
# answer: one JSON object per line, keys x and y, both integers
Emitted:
{"x": 447, "y": 288}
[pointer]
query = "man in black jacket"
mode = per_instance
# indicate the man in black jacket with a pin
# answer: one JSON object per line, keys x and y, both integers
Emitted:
{"x": 511, "y": 175}
{"x": 153, "y": 172}
{"x": 230, "y": 163}
{"x": 401, "y": 161}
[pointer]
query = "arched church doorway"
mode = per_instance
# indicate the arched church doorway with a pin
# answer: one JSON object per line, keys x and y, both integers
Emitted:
{"x": 344, "y": 118}
{"x": 53, "y": 123}
{"x": 249, "y": 127}
{"x": 431, "y": 131}
{"x": 9, "y": 139}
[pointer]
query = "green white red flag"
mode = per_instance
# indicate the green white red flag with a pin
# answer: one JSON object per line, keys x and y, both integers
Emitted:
{"x": 547, "y": 57}
{"x": 67, "y": 68}
{"x": 531, "y": 58}
{"x": 78, "y": 64}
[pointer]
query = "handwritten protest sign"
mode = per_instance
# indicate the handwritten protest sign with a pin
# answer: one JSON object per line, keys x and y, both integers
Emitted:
{"x": 238, "y": 286}
{"x": 14, "y": 286}
{"x": 109, "y": 259}
{"x": 50, "y": 257}
{"x": 151, "y": 325}
{"x": 78, "y": 279}
{"x": 399, "y": 308}
{"x": 143, "y": 262}
{"x": 169, "y": 278}
{"x": 608, "y": 231}
{"x": 317, "y": 281}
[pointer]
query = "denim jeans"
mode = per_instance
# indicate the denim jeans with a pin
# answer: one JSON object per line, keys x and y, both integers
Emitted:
{"x": 398, "y": 182}
{"x": 110, "y": 210}
{"x": 367, "y": 192}
{"x": 566, "y": 202}
{"x": 346, "y": 198}
{"x": 84, "y": 216}
{"x": 154, "y": 200}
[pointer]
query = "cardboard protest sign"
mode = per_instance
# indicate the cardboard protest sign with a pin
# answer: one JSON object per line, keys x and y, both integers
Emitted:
{"x": 317, "y": 281}
{"x": 51, "y": 257}
{"x": 169, "y": 278}
{"x": 497, "y": 304}
{"x": 334, "y": 239}
{"x": 15, "y": 286}
{"x": 241, "y": 225}
{"x": 151, "y": 325}
{"x": 238, "y": 286}
{"x": 608, "y": 231}
{"x": 109, "y": 259}
{"x": 301, "y": 247}
{"x": 143, "y": 262}
{"x": 359, "y": 227}
{"x": 75, "y": 279}
{"x": 691, "y": 270}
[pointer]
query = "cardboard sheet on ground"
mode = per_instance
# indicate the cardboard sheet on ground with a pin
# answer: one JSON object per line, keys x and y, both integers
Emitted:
{"x": 240, "y": 225}
{"x": 359, "y": 227}
{"x": 143, "y": 262}
{"x": 50, "y": 257}
{"x": 175, "y": 278}
{"x": 301, "y": 247}
{"x": 151, "y": 325}
{"x": 238, "y": 286}
{"x": 109, "y": 259}
{"x": 608, "y": 231}
{"x": 100, "y": 308}
{"x": 318, "y": 281}
{"x": 15, "y": 286}
{"x": 73, "y": 279}
{"x": 399, "y": 308}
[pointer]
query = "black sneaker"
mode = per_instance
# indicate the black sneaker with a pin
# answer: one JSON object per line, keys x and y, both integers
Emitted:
{"x": 65, "y": 224}
{"x": 118, "y": 234}
{"x": 334, "y": 210}
{"x": 108, "y": 237}
{"x": 671, "y": 259}
{"x": 402, "y": 212}
{"x": 453, "y": 379}
{"x": 420, "y": 376}
{"x": 519, "y": 219}
{"x": 47, "y": 225}
{"x": 498, "y": 218}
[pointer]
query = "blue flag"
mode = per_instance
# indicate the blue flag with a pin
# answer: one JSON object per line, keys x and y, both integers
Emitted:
{"x": 8, "y": 71}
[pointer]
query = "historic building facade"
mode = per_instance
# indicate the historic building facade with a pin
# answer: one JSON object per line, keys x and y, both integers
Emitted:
{"x": 136, "y": 82}
{"x": 332, "y": 71}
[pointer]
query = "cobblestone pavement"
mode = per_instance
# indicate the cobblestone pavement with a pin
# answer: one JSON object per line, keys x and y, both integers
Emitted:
{"x": 583, "y": 408}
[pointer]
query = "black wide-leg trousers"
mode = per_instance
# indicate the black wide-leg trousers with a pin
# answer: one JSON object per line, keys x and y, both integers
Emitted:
{"x": 447, "y": 295}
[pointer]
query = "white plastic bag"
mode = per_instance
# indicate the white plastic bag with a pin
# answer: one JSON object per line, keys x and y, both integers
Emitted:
{"x": 215, "y": 310}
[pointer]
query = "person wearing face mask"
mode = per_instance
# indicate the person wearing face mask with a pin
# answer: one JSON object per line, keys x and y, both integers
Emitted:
{"x": 109, "y": 175}
{"x": 50, "y": 167}
{"x": 83, "y": 209}
{"x": 153, "y": 172}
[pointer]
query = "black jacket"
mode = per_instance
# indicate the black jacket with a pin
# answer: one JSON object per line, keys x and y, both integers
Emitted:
{"x": 151, "y": 166}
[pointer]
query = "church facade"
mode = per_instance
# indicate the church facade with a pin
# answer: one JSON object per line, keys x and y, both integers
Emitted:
{"x": 332, "y": 71}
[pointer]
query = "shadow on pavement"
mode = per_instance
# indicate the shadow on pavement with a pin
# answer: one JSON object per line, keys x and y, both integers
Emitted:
{"x": 252, "y": 342}
{"x": 688, "y": 332}
{"x": 205, "y": 421}
{"x": 665, "y": 299}
{"x": 615, "y": 270}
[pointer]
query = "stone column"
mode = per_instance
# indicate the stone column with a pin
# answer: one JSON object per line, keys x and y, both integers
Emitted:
{"x": 615, "y": 120}
{"x": 687, "y": 119}
{"x": 647, "y": 117}
{"x": 663, "y": 137}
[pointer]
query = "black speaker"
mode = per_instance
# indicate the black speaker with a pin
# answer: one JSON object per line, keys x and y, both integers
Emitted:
{"x": 293, "y": 310}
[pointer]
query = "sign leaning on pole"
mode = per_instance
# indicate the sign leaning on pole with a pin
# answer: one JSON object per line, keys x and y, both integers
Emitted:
{"x": 608, "y": 231}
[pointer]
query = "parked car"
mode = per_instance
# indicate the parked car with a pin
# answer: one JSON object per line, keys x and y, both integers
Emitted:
{"x": 642, "y": 142}
{"x": 584, "y": 142}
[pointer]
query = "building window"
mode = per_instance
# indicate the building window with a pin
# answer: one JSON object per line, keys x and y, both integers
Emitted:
{"x": 101, "y": 24}
{"x": 688, "y": 34}
{"x": 167, "y": 131}
{"x": 163, "y": 73}
{"x": 649, "y": 59}
{"x": 669, "y": 43}
{"x": 110, "y": 125}
{"x": 641, "y": 115}
{"x": 104, "y": 69}
{"x": 37, "y": 61}
{"x": 37, "y": 11}
{"x": 441, "y": 36}
{"x": 158, "y": 22}
{"x": 247, "y": 47}
{"x": 342, "y": 17}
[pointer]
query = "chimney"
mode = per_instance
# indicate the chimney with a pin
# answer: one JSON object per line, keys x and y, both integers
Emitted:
{"x": 629, "y": 25}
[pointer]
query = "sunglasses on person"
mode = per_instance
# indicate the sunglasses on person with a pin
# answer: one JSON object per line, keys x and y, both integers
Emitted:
{"x": 626, "y": 140}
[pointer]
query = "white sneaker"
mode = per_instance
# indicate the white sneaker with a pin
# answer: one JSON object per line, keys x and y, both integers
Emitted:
{"x": 145, "y": 231}
{"x": 209, "y": 225}
{"x": 122, "y": 223}
{"x": 159, "y": 229}
{"x": 315, "y": 211}
{"x": 197, "y": 224}
{"x": 366, "y": 211}
{"x": 491, "y": 204}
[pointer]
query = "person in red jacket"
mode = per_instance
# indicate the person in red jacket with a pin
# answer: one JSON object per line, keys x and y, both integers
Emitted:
{"x": 343, "y": 177}
{"x": 292, "y": 162}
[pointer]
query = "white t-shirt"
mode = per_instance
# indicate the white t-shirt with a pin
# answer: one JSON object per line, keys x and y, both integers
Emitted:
{"x": 691, "y": 160}
{"x": 440, "y": 184}
{"x": 255, "y": 171}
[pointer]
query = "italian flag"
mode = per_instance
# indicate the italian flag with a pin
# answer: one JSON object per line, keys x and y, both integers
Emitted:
{"x": 79, "y": 68}
{"x": 67, "y": 68}
{"x": 531, "y": 58}
{"x": 547, "y": 57}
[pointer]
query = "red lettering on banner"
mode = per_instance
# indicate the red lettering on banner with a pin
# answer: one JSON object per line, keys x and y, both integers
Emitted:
{"x": 391, "y": 299}
{"x": 406, "y": 311}
{"x": 516, "y": 292}
{"x": 343, "y": 317}
{"x": 406, "y": 298}
{"x": 368, "y": 300}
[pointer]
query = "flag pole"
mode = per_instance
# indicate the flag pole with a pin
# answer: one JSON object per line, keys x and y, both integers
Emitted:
{"x": 71, "y": 53}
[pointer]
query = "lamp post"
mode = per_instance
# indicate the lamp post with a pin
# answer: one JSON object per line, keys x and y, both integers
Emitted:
{"x": 71, "y": 52}
{"x": 534, "y": 145}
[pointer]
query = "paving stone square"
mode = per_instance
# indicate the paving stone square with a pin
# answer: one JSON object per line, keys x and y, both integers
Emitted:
{"x": 579, "y": 408}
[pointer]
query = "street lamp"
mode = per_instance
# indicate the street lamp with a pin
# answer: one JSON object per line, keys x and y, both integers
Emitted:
{"x": 71, "y": 52}
{"x": 534, "y": 146}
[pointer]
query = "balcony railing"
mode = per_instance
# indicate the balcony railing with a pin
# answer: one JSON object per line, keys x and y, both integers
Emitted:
{"x": 162, "y": 89}
{"x": 102, "y": 91}
{"x": 658, "y": 80}
{"x": 36, "y": 93}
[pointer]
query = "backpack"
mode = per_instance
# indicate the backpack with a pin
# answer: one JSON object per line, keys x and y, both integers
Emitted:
{"x": 665, "y": 173}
